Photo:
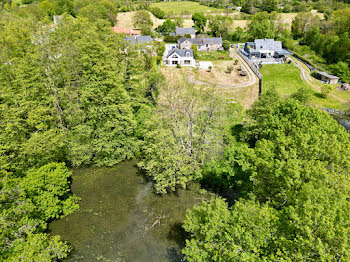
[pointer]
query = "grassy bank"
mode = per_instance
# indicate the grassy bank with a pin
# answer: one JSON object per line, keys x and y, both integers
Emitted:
{"x": 185, "y": 8}
{"x": 286, "y": 79}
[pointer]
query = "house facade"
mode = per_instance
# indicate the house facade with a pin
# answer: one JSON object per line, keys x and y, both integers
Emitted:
{"x": 265, "y": 49}
{"x": 203, "y": 44}
{"x": 183, "y": 57}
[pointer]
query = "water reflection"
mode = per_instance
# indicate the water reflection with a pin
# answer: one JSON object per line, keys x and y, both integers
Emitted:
{"x": 120, "y": 219}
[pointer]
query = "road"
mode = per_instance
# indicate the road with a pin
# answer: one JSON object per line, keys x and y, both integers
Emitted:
{"x": 305, "y": 75}
{"x": 252, "y": 78}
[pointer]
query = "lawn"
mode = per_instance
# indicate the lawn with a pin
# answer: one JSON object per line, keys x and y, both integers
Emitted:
{"x": 213, "y": 56}
{"x": 185, "y": 8}
{"x": 286, "y": 79}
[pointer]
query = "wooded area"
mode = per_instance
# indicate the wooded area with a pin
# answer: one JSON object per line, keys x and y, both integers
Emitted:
{"x": 75, "y": 94}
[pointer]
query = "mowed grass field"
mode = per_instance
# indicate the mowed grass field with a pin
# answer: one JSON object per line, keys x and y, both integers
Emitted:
{"x": 179, "y": 8}
{"x": 286, "y": 79}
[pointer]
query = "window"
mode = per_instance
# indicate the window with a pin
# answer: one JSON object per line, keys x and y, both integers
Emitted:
{"x": 187, "y": 62}
{"x": 174, "y": 62}
{"x": 175, "y": 56}
{"x": 187, "y": 54}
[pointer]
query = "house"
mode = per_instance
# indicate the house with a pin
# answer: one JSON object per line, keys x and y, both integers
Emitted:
{"x": 203, "y": 44}
{"x": 143, "y": 39}
{"x": 265, "y": 49}
{"x": 325, "y": 77}
{"x": 183, "y": 57}
{"x": 127, "y": 31}
{"x": 184, "y": 31}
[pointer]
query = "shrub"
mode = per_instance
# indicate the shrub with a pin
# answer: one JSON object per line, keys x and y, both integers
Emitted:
{"x": 157, "y": 12}
{"x": 178, "y": 66}
{"x": 326, "y": 89}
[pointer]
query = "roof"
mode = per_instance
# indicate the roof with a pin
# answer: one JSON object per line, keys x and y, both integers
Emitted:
{"x": 139, "y": 39}
{"x": 185, "y": 31}
{"x": 181, "y": 40}
{"x": 202, "y": 41}
{"x": 327, "y": 75}
{"x": 268, "y": 44}
{"x": 180, "y": 52}
{"x": 128, "y": 31}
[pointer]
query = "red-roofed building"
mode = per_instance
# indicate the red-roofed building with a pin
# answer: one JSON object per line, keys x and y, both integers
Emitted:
{"x": 127, "y": 31}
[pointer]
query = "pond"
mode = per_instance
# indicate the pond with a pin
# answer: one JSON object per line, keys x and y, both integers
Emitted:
{"x": 121, "y": 219}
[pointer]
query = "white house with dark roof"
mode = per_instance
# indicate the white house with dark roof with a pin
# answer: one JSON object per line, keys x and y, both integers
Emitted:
{"x": 265, "y": 50}
{"x": 184, "y": 31}
{"x": 203, "y": 44}
{"x": 183, "y": 57}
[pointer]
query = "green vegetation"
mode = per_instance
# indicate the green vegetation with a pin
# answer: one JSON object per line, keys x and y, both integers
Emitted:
{"x": 284, "y": 78}
{"x": 184, "y": 8}
{"x": 213, "y": 56}
{"x": 68, "y": 97}
{"x": 75, "y": 94}
{"x": 290, "y": 168}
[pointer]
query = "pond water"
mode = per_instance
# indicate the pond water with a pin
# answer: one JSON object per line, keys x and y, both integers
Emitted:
{"x": 121, "y": 219}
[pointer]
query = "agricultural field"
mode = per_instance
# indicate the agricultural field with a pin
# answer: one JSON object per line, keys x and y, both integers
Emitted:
{"x": 186, "y": 8}
{"x": 125, "y": 20}
{"x": 286, "y": 79}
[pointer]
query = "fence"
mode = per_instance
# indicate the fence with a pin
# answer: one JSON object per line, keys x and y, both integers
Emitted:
{"x": 254, "y": 67}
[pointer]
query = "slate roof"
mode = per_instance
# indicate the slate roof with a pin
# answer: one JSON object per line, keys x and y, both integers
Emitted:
{"x": 267, "y": 44}
{"x": 181, "y": 40}
{"x": 202, "y": 41}
{"x": 185, "y": 31}
{"x": 180, "y": 52}
{"x": 327, "y": 75}
{"x": 139, "y": 39}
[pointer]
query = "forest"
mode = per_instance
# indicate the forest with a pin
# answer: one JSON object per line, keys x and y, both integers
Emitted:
{"x": 74, "y": 94}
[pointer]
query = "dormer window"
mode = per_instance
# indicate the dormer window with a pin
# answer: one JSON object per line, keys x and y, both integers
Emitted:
{"x": 175, "y": 56}
{"x": 187, "y": 54}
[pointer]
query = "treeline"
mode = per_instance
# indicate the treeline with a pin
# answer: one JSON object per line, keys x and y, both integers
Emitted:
{"x": 71, "y": 94}
{"x": 327, "y": 39}
{"x": 289, "y": 167}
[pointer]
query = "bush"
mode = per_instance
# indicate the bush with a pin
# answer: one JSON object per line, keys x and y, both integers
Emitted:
{"x": 157, "y": 12}
{"x": 326, "y": 89}
{"x": 226, "y": 44}
{"x": 171, "y": 39}
{"x": 178, "y": 66}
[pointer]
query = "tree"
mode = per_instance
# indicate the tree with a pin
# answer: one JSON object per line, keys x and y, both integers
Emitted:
{"x": 167, "y": 27}
{"x": 241, "y": 233}
{"x": 179, "y": 22}
{"x": 219, "y": 25}
{"x": 195, "y": 51}
{"x": 157, "y": 12}
{"x": 326, "y": 89}
{"x": 142, "y": 18}
{"x": 269, "y": 5}
{"x": 262, "y": 26}
{"x": 186, "y": 131}
{"x": 200, "y": 21}
{"x": 226, "y": 44}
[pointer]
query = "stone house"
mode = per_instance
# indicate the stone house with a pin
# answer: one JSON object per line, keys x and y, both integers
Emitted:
{"x": 203, "y": 44}
{"x": 184, "y": 31}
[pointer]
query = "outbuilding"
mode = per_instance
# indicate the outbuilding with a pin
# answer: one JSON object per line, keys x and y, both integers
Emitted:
{"x": 330, "y": 79}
